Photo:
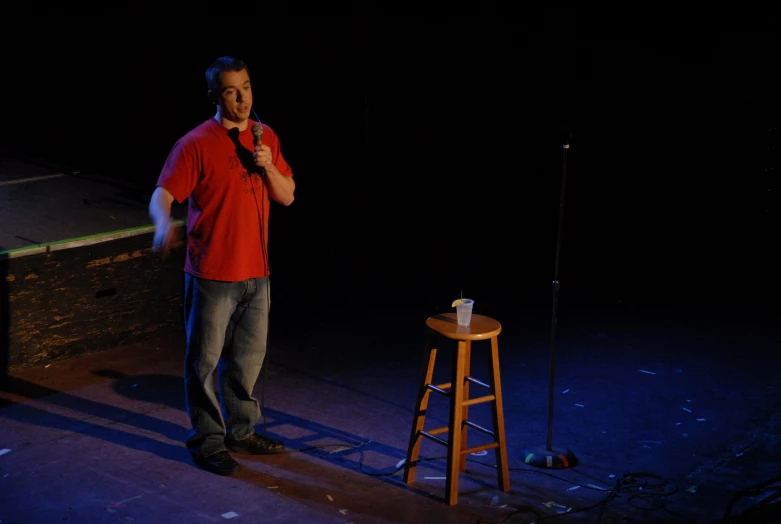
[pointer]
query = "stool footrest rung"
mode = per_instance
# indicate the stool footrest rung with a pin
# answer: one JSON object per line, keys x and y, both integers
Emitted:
{"x": 428, "y": 435}
{"x": 490, "y": 445}
{"x": 479, "y": 428}
{"x": 478, "y": 400}
{"x": 439, "y": 388}
{"x": 478, "y": 382}
{"x": 438, "y": 431}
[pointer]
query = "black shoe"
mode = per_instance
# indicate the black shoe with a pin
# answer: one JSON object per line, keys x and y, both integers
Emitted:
{"x": 256, "y": 444}
{"x": 220, "y": 463}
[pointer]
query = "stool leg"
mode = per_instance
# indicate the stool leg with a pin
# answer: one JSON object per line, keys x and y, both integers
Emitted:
{"x": 502, "y": 470}
{"x": 456, "y": 422}
{"x": 419, "y": 418}
{"x": 465, "y": 409}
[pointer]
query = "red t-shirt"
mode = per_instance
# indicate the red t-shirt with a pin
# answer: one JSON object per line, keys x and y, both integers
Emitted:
{"x": 228, "y": 203}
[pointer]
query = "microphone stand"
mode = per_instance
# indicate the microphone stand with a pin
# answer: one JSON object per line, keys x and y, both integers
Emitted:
{"x": 548, "y": 457}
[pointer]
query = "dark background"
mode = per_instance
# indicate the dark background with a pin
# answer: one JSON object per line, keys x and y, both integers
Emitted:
{"x": 428, "y": 151}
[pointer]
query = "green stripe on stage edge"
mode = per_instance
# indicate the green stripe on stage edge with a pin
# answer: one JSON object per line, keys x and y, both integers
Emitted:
{"x": 87, "y": 240}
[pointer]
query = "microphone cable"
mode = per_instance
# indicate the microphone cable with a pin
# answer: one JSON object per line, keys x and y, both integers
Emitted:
{"x": 264, "y": 250}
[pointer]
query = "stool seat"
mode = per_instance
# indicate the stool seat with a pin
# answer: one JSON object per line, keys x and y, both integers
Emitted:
{"x": 446, "y": 324}
{"x": 457, "y": 390}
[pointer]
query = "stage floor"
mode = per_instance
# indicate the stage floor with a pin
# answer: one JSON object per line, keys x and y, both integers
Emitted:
{"x": 687, "y": 407}
{"x": 41, "y": 204}
{"x": 684, "y": 404}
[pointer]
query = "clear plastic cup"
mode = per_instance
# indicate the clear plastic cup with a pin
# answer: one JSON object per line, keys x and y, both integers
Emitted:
{"x": 464, "y": 311}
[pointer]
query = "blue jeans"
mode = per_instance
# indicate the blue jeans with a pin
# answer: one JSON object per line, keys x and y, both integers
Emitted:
{"x": 226, "y": 325}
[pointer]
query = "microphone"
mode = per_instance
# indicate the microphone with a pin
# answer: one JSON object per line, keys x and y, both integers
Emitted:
{"x": 257, "y": 131}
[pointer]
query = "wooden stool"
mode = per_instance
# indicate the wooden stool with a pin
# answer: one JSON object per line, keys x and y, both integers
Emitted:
{"x": 481, "y": 328}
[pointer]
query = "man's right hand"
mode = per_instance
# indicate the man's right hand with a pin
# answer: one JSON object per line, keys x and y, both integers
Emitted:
{"x": 163, "y": 234}
{"x": 160, "y": 213}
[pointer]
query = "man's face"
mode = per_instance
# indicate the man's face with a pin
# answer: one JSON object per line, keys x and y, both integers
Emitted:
{"x": 235, "y": 97}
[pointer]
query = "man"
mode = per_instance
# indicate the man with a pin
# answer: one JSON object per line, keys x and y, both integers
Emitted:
{"x": 228, "y": 174}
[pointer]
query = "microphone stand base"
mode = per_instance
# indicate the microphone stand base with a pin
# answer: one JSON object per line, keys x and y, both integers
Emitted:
{"x": 542, "y": 457}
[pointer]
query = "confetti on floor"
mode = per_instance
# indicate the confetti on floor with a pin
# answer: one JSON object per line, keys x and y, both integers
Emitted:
{"x": 123, "y": 502}
{"x": 230, "y": 515}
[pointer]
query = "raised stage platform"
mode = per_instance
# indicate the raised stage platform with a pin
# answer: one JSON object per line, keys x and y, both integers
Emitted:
{"x": 77, "y": 270}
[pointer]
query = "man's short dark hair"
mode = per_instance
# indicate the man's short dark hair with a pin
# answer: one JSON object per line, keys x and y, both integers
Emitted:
{"x": 219, "y": 66}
